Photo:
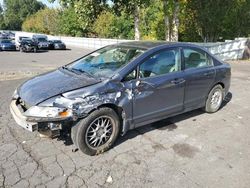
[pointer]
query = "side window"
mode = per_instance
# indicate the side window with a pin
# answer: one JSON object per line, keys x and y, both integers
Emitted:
{"x": 195, "y": 58}
{"x": 163, "y": 62}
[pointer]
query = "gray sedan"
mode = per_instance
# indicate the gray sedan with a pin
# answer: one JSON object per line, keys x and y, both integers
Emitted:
{"x": 56, "y": 45}
{"x": 118, "y": 88}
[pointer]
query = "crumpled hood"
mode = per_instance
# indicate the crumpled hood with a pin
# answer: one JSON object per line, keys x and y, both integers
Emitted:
{"x": 45, "y": 86}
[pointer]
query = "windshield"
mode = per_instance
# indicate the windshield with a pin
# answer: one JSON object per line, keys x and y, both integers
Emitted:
{"x": 105, "y": 61}
{"x": 41, "y": 40}
{"x": 27, "y": 40}
{"x": 21, "y": 38}
{"x": 57, "y": 41}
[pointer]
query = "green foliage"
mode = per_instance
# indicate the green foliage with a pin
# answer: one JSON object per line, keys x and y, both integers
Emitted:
{"x": 88, "y": 11}
{"x": 69, "y": 23}
{"x": 124, "y": 26}
{"x": 2, "y": 24}
{"x": 197, "y": 20}
{"x": 237, "y": 21}
{"x": 108, "y": 25}
{"x": 208, "y": 17}
{"x": 215, "y": 20}
{"x": 16, "y": 11}
{"x": 44, "y": 21}
{"x": 152, "y": 22}
{"x": 129, "y": 6}
{"x": 189, "y": 29}
{"x": 104, "y": 25}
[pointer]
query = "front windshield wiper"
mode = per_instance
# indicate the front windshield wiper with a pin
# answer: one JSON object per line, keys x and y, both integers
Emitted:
{"x": 77, "y": 71}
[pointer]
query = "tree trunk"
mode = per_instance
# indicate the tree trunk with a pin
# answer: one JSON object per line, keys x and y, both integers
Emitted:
{"x": 167, "y": 28}
{"x": 166, "y": 20}
{"x": 175, "y": 24}
{"x": 137, "y": 22}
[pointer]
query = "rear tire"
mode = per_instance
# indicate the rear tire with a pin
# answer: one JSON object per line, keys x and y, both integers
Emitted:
{"x": 214, "y": 99}
{"x": 97, "y": 132}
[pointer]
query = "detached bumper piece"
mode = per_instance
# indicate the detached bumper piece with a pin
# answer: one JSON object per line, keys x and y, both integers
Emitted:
{"x": 21, "y": 119}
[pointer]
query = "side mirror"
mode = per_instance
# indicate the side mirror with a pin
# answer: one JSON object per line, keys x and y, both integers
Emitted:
{"x": 137, "y": 83}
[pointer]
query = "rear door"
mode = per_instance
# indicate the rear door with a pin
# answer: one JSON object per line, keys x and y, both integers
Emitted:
{"x": 199, "y": 76}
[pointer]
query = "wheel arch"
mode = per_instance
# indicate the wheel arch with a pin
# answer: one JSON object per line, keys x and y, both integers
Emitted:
{"x": 118, "y": 110}
{"x": 221, "y": 84}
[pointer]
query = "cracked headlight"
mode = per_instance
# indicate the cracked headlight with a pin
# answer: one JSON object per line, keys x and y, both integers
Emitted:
{"x": 48, "y": 112}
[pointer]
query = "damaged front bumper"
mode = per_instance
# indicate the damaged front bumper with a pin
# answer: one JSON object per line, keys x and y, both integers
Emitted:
{"x": 21, "y": 119}
{"x": 32, "y": 123}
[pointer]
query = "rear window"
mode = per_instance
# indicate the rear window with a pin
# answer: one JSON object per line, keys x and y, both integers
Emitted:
{"x": 196, "y": 58}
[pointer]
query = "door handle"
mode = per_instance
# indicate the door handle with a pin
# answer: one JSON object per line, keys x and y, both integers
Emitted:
{"x": 208, "y": 73}
{"x": 178, "y": 81}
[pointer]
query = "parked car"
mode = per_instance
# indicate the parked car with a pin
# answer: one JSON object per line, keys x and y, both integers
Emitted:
{"x": 4, "y": 36}
{"x": 7, "y": 35}
{"x": 11, "y": 35}
{"x": 42, "y": 41}
{"x": 7, "y": 45}
{"x": 28, "y": 45}
{"x": 118, "y": 88}
{"x": 18, "y": 41}
{"x": 19, "y": 36}
{"x": 56, "y": 45}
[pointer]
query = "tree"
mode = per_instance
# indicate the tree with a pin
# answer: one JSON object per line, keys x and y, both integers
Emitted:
{"x": 87, "y": 11}
{"x": 2, "y": 25}
{"x": 16, "y": 11}
{"x": 44, "y": 21}
{"x": 108, "y": 25}
{"x": 171, "y": 9}
{"x": 237, "y": 21}
{"x": 131, "y": 7}
{"x": 69, "y": 23}
{"x": 152, "y": 22}
{"x": 104, "y": 25}
{"x": 209, "y": 17}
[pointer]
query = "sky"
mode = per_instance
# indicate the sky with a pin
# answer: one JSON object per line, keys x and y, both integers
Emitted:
{"x": 51, "y": 5}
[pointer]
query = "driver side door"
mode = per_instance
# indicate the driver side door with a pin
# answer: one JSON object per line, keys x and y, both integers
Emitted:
{"x": 158, "y": 90}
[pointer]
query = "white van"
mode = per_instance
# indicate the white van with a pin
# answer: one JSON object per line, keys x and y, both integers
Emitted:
{"x": 19, "y": 36}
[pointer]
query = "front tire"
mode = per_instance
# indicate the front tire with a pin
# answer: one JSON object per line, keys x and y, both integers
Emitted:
{"x": 214, "y": 99}
{"x": 97, "y": 132}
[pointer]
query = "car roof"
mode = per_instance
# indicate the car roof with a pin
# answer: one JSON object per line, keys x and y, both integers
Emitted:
{"x": 143, "y": 44}
{"x": 153, "y": 44}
